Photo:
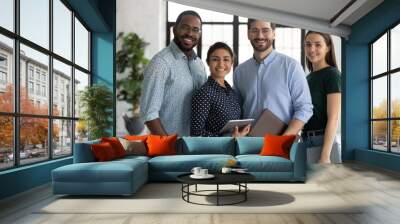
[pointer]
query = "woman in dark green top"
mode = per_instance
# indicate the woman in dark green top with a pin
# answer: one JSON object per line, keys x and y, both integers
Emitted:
{"x": 324, "y": 82}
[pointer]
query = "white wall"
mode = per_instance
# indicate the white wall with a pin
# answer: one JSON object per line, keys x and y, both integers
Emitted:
{"x": 147, "y": 18}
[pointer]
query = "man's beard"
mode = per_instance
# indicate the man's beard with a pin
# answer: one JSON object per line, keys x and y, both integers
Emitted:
{"x": 262, "y": 48}
{"x": 182, "y": 46}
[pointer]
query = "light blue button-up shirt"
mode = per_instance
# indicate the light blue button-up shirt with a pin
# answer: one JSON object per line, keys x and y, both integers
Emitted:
{"x": 169, "y": 82}
{"x": 277, "y": 83}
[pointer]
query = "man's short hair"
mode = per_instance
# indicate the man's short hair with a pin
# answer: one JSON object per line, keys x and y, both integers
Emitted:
{"x": 250, "y": 21}
{"x": 187, "y": 13}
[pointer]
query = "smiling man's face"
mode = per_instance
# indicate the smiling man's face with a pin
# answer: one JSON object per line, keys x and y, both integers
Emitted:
{"x": 261, "y": 35}
{"x": 187, "y": 33}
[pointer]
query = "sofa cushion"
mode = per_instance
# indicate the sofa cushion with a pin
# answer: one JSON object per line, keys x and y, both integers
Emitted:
{"x": 275, "y": 145}
{"x": 134, "y": 147}
{"x": 111, "y": 171}
{"x": 130, "y": 158}
{"x": 257, "y": 163}
{"x": 103, "y": 152}
{"x": 83, "y": 153}
{"x": 136, "y": 137}
{"x": 207, "y": 145}
{"x": 185, "y": 163}
{"x": 249, "y": 145}
{"x": 116, "y": 145}
{"x": 161, "y": 145}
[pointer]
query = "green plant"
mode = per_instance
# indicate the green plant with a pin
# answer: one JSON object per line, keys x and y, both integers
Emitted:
{"x": 131, "y": 58}
{"x": 96, "y": 102}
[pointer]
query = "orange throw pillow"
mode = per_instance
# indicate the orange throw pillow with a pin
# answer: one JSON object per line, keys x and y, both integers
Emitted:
{"x": 116, "y": 145}
{"x": 103, "y": 151}
{"x": 136, "y": 137}
{"x": 277, "y": 145}
{"x": 161, "y": 145}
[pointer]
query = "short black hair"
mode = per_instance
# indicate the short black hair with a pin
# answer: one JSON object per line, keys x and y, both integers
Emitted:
{"x": 187, "y": 13}
{"x": 250, "y": 21}
{"x": 219, "y": 45}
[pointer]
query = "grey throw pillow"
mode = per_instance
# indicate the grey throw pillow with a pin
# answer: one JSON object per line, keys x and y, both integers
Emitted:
{"x": 134, "y": 147}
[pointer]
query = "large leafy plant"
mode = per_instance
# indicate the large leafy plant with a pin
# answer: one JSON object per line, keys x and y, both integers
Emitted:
{"x": 96, "y": 102}
{"x": 131, "y": 58}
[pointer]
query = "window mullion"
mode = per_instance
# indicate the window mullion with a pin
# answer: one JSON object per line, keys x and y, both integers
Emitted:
{"x": 389, "y": 113}
{"x": 302, "y": 53}
{"x": 16, "y": 83}
{"x": 73, "y": 123}
{"x": 236, "y": 39}
{"x": 50, "y": 81}
{"x": 371, "y": 137}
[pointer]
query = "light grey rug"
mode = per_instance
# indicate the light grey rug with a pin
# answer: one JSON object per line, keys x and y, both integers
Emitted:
{"x": 166, "y": 198}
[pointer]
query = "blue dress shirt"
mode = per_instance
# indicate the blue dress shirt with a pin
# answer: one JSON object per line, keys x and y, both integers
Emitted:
{"x": 277, "y": 83}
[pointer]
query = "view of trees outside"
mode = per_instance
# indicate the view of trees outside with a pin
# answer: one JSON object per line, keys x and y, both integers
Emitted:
{"x": 379, "y": 128}
{"x": 62, "y": 143}
{"x": 33, "y": 131}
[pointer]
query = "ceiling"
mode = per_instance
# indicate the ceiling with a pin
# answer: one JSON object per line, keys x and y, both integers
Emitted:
{"x": 329, "y": 16}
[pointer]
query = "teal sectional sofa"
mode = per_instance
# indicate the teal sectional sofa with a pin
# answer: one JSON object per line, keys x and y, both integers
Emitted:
{"x": 125, "y": 176}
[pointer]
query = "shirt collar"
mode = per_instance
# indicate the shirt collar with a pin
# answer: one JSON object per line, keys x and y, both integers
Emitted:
{"x": 267, "y": 59}
{"x": 178, "y": 54}
{"x": 216, "y": 85}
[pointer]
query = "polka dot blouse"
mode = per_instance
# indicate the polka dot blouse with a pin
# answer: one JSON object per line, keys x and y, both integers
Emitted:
{"x": 212, "y": 107}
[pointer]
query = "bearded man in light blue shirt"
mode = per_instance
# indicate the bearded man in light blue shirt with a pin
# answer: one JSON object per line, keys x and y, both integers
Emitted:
{"x": 170, "y": 79}
{"x": 271, "y": 80}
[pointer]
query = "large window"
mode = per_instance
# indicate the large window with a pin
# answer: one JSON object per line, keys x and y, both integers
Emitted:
{"x": 233, "y": 31}
{"x": 385, "y": 94}
{"x": 44, "y": 64}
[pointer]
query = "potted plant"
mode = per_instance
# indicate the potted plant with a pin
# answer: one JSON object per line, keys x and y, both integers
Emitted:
{"x": 130, "y": 59}
{"x": 96, "y": 102}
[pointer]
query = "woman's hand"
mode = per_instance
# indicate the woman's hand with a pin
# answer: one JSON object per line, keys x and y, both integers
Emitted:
{"x": 324, "y": 160}
{"x": 241, "y": 133}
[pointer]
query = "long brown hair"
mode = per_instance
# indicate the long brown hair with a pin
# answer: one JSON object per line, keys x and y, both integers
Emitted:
{"x": 330, "y": 57}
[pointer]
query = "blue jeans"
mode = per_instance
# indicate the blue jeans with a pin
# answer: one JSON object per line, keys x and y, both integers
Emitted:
{"x": 314, "y": 149}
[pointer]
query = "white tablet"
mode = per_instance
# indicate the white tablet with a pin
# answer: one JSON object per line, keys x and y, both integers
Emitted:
{"x": 230, "y": 125}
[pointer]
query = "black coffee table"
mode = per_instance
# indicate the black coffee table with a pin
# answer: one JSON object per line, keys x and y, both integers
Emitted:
{"x": 238, "y": 179}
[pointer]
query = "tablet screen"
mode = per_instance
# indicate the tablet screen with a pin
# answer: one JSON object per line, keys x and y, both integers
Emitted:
{"x": 230, "y": 125}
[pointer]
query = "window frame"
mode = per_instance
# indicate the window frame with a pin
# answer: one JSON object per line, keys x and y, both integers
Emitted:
{"x": 388, "y": 74}
{"x": 16, "y": 115}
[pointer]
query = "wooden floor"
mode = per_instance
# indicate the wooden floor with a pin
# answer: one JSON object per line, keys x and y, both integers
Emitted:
{"x": 378, "y": 188}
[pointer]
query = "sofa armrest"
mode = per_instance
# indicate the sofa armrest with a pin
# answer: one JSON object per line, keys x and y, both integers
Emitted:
{"x": 298, "y": 157}
{"x": 83, "y": 152}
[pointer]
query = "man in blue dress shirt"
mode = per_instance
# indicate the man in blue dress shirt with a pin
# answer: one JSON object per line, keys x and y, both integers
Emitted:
{"x": 170, "y": 79}
{"x": 271, "y": 80}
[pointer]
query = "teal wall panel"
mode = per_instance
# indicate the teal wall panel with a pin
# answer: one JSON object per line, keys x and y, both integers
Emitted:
{"x": 380, "y": 159}
{"x": 90, "y": 12}
{"x": 356, "y": 108}
{"x": 24, "y": 178}
{"x": 103, "y": 71}
{"x": 103, "y": 53}
{"x": 103, "y": 58}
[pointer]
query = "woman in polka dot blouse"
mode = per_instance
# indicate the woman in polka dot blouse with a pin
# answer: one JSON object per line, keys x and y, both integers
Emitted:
{"x": 215, "y": 103}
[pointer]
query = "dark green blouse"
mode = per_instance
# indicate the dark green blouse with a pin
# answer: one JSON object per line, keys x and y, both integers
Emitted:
{"x": 322, "y": 83}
